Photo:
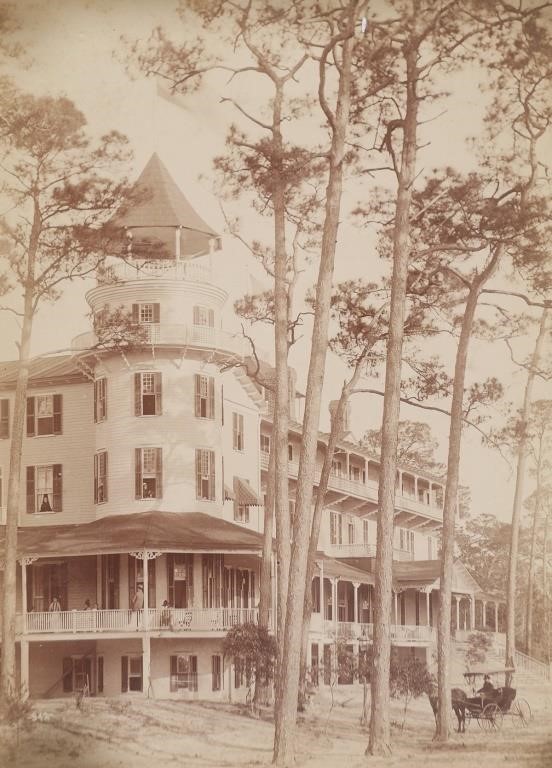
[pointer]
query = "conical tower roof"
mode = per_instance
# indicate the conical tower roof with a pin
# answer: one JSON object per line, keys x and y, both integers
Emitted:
{"x": 161, "y": 203}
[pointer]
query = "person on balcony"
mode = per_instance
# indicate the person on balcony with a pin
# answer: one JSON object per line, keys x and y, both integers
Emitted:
{"x": 55, "y": 605}
{"x": 138, "y": 603}
{"x": 165, "y": 614}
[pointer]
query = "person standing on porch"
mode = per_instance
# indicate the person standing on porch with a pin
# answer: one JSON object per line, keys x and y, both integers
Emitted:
{"x": 55, "y": 605}
{"x": 138, "y": 602}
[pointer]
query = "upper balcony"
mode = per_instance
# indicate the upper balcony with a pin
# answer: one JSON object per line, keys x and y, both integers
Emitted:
{"x": 190, "y": 270}
{"x": 361, "y": 498}
{"x": 178, "y": 335}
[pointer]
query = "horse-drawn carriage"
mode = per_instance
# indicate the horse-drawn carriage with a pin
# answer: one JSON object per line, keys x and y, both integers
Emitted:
{"x": 490, "y": 704}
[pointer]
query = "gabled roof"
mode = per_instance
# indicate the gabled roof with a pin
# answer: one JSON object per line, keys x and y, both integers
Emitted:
{"x": 161, "y": 203}
{"x": 161, "y": 531}
{"x": 43, "y": 371}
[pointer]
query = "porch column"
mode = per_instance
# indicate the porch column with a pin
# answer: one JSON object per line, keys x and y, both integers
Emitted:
{"x": 146, "y": 592}
{"x": 365, "y": 470}
{"x": 356, "y": 585}
{"x": 334, "y": 589}
{"x": 428, "y": 609}
{"x": 472, "y": 612}
{"x": 23, "y": 600}
{"x": 24, "y": 648}
{"x": 496, "y": 616}
{"x": 395, "y": 604}
{"x": 457, "y": 598}
{"x": 347, "y": 463}
{"x": 146, "y": 664}
{"x": 416, "y": 487}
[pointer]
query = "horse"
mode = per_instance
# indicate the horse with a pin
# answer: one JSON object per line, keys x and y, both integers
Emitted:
{"x": 458, "y": 700}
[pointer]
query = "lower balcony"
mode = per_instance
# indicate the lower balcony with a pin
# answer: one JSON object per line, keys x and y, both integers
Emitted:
{"x": 406, "y": 634}
{"x": 202, "y": 620}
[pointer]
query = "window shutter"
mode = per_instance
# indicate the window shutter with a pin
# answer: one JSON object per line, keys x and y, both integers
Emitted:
{"x": 30, "y": 416}
{"x": 197, "y": 389}
{"x": 96, "y": 386}
{"x": 193, "y": 671}
{"x": 198, "y": 473}
{"x": 138, "y": 473}
{"x": 57, "y": 488}
{"x": 234, "y": 430}
{"x": 174, "y": 672}
{"x": 57, "y": 414}
{"x": 222, "y": 404}
{"x": 103, "y": 459}
{"x": 137, "y": 394}
{"x": 104, "y": 393}
{"x": 159, "y": 473}
{"x": 31, "y": 502}
{"x": 67, "y": 674}
{"x": 135, "y": 313}
{"x": 124, "y": 674}
{"x": 211, "y": 397}
{"x": 196, "y": 315}
{"x": 211, "y": 318}
{"x": 157, "y": 389}
{"x": 4, "y": 418}
{"x": 211, "y": 474}
{"x": 156, "y": 313}
{"x": 96, "y": 473}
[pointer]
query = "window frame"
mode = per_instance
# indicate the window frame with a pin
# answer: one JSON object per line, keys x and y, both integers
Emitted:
{"x": 56, "y": 492}
{"x": 336, "y": 528}
{"x": 100, "y": 399}
{"x": 33, "y": 419}
{"x": 264, "y": 439}
{"x": 4, "y": 418}
{"x": 183, "y": 680}
{"x": 217, "y": 672}
{"x": 204, "y": 404}
{"x": 140, "y": 475}
{"x": 209, "y": 478}
{"x": 238, "y": 431}
{"x": 241, "y": 513}
{"x": 100, "y": 474}
{"x": 155, "y": 395}
{"x": 201, "y": 313}
{"x": 127, "y": 675}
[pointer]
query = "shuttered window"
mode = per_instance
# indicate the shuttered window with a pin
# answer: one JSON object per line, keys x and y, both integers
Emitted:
{"x": 238, "y": 439}
{"x": 183, "y": 672}
{"x": 100, "y": 477}
{"x": 44, "y": 415}
{"x": 336, "y": 530}
{"x": 216, "y": 672}
{"x": 204, "y": 316}
{"x": 131, "y": 673}
{"x": 44, "y": 488}
{"x": 204, "y": 387}
{"x": 147, "y": 393}
{"x": 148, "y": 473}
{"x": 4, "y": 417}
{"x": 100, "y": 400}
{"x": 148, "y": 312}
{"x": 205, "y": 474}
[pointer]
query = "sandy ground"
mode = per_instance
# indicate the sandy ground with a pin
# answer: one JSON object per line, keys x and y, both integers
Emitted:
{"x": 125, "y": 733}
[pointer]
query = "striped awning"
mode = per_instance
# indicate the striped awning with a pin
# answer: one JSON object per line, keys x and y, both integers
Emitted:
{"x": 245, "y": 494}
{"x": 229, "y": 494}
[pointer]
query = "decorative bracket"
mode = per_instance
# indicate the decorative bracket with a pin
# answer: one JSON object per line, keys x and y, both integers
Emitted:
{"x": 145, "y": 554}
{"x": 27, "y": 560}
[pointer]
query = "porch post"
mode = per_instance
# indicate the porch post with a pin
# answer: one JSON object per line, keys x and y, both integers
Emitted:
{"x": 24, "y": 687}
{"x": 356, "y": 585}
{"x": 496, "y": 615}
{"x": 416, "y": 487}
{"x": 146, "y": 555}
{"x": 23, "y": 600}
{"x": 366, "y": 470}
{"x": 347, "y": 464}
{"x": 472, "y": 612}
{"x": 395, "y": 603}
{"x": 428, "y": 610}
{"x": 334, "y": 586}
{"x": 457, "y": 598}
{"x": 146, "y": 663}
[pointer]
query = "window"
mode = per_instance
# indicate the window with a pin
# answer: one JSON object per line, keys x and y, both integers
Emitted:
{"x": 131, "y": 673}
{"x": 4, "y": 417}
{"x": 145, "y": 313}
{"x": 238, "y": 588}
{"x": 350, "y": 531}
{"x": 205, "y": 474}
{"x": 204, "y": 396}
{"x": 77, "y": 674}
{"x": 100, "y": 477}
{"x": 100, "y": 674}
{"x": 355, "y": 474}
{"x": 336, "y": 533}
{"x": 180, "y": 580}
{"x": 406, "y": 540}
{"x": 147, "y": 394}
{"x": 336, "y": 467}
{"x": 148, "y": 473}
{"x": 241, "y": 513}
{"x": 290, "y": 452}
{"x": 44, "y": 488}
{"x": 238, "y": 441}
{"x": 44, "y": 415}
{"x": 365, "y": 532}
{"x": 204, "y": 316}
{"x": 183, "y": 672}
{"x": 100, "y": 400}
{"x": 110, "y": 581}
{"x": 216, "y": 672}
{"x": 265, "y": 443}
{"x": 315, "y": 593}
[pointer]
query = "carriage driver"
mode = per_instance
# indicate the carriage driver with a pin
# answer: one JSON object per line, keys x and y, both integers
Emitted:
{"x": 488, "y": 687}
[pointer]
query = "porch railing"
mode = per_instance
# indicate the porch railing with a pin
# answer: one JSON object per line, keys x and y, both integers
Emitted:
{"x": 399, "y": 632}
{"x": 125, "y": 620}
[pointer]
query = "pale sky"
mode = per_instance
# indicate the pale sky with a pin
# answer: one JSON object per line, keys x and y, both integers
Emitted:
{"x": 71, "y": 43}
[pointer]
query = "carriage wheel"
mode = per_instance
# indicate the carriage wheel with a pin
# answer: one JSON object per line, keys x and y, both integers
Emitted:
{"x": 491, "y": 717}
{"x": 521, "y": 712}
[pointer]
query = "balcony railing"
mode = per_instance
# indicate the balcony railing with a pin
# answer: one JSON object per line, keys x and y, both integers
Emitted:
{"x": 125, "y": 620}
{"x": 203, "y": 336}
{"x": 367, "y": 490}
{"x": 168, "y": 269}
{"x": 407, "y": 633}
{"x": 363, "y": 550}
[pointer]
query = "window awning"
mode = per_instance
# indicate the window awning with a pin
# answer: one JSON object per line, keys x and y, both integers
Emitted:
{"x": 245, "y": 494}
{"x": 229, "y": 494}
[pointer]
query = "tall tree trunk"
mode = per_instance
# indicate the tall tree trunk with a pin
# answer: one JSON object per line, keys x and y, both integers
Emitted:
{"x": 532, "y": 560}
{"x": 519, "y": 490}
{"x": 450, "y": 501}
{"x": 14, "y": 483}
{"x": 286, "y": 713}
{"x": 545, "y": 598}
{"x": 380, "y": 739}
{"x": 265, "y": 589}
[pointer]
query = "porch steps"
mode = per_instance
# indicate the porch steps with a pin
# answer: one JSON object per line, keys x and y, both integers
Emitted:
{"x": 528, "y": 670}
